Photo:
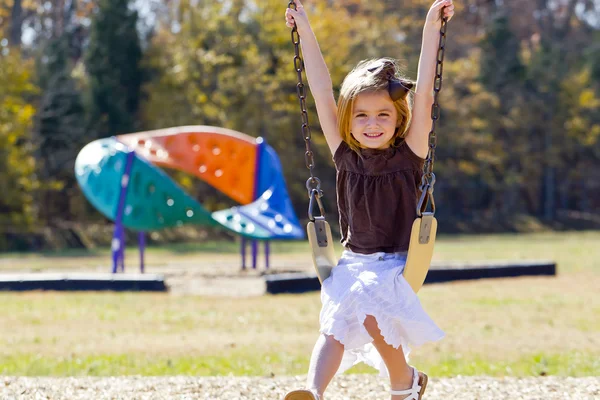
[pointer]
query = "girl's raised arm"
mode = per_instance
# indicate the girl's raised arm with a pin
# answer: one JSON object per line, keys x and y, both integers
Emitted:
{"x": 317, "y": 74}
{"x": 417, "y": 136}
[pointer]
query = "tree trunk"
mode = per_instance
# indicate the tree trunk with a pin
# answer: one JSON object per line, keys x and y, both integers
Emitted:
{"x": 16, "y": 24}
{"x": 549, "y": 189}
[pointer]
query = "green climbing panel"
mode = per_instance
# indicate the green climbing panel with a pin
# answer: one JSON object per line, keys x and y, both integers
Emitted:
{"x": 154, "y": 201}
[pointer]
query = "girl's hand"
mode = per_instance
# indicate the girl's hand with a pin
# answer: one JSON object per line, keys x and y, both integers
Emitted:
{"x": 440, "y": 9}
{"x": 297, "y": 18}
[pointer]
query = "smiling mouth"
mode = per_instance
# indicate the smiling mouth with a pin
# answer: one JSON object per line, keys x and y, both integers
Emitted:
{"x": 374, "y": 135}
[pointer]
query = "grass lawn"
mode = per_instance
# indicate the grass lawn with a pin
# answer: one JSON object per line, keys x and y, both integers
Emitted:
{"x": 519, "y": 327}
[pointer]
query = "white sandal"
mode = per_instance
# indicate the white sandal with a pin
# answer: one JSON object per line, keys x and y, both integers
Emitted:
{"x": 417, "y": 389}
{"x": 303, "y": 394}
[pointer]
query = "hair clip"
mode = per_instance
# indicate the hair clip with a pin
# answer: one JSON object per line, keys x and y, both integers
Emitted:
{"x": 397, "y": 88}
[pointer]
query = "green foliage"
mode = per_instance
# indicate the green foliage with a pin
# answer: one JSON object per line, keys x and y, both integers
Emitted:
{"x": 18, "y": 182}
{"x": 113, "y": 65}
{"x": 501, "y": 68}
{"x": 60, "y": 131}
{"x": 61, "y": 112}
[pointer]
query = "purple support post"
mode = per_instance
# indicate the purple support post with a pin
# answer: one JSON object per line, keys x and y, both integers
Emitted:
{"x": 254, "y": 253}
{"x": 267, "y": 254}
{"x": 116, "y": 247}
{"x": 260, "y": 148}
{"x": 243, "y": 251}
{"x": 122, "y": 249}
{"x": 118, "y": 242}
{"x": 142, "y": 242}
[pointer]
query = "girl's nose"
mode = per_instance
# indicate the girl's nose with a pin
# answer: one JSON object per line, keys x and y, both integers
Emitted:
{"x": 372, "y": 121}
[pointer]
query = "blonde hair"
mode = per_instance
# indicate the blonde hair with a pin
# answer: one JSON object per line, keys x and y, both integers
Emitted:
{"x": 362, "y": 80}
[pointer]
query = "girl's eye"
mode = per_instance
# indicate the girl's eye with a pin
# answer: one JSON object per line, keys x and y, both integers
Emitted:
{"x": 361, "y": 115}
{"x": 384, "y": 115}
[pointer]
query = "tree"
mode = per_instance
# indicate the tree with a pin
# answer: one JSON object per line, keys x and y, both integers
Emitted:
{"x": 113, "y": 63}
{"x": 18, "y": 181}
{"x": 59, "y": 128}
{"x": 502, "y": 72}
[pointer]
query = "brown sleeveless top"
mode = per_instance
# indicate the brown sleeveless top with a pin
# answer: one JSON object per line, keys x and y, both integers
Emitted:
{"x": 377, "y": 194}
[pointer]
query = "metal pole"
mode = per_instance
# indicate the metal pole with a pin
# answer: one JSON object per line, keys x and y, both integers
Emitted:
{"x": 142, "y": 242}
{"x": 115, "y": 247}
{"x": 254, "y": 253}
{"x": 267, "y": 253}
{"x": 122, "y": 249}
{"x": 118, "y": 242}
{"x": 243, "y": 251}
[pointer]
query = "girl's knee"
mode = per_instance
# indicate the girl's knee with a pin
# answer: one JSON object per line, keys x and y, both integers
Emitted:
{"x": 372, "y": 327}
{"x": 330, "y": 339}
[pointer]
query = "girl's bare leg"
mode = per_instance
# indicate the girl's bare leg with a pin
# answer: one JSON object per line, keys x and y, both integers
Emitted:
{"x": 401, "y": 374}
{"x": 324, "y": 363}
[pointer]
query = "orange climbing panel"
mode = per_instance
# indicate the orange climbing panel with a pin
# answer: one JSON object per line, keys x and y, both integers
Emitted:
{"x": 223, "y": 158}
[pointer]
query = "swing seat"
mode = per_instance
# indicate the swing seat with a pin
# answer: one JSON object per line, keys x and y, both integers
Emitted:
{"x": 420, "y": 250}
{"x": 319, "y": 237}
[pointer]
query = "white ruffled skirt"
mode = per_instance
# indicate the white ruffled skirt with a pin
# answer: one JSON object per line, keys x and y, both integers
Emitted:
{"x": 372, "y": 284}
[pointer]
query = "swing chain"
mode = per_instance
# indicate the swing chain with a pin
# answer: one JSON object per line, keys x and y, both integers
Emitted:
{"x": 313, "y": 184}
{"x": 428, "y": 179}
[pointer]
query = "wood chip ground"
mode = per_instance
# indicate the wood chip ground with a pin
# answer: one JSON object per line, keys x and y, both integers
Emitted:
{"x": 346, "y": 387}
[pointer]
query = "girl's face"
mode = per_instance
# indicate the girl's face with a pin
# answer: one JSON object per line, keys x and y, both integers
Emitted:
{"x": 374, "y": 119}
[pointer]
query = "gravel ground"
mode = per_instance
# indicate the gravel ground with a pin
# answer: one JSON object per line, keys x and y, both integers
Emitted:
{"x": 345, "y": 387}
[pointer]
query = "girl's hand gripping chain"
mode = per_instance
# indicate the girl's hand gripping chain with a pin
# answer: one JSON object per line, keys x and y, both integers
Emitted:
{"x": 439, "y": 10}
{"x": 297, "y": 18}
{"x": 317, "y": 74}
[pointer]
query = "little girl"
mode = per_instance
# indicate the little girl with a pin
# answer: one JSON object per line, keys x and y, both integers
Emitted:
{"x": 378, "y": 142}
